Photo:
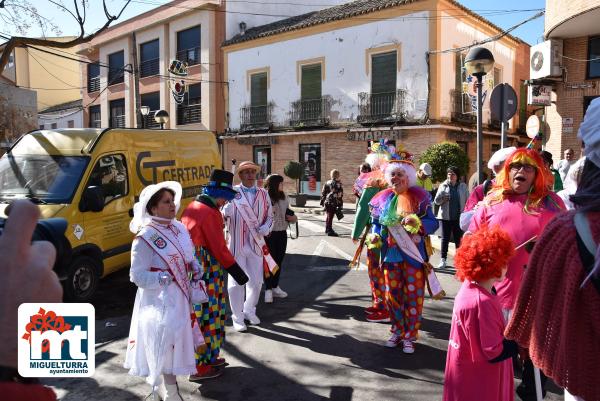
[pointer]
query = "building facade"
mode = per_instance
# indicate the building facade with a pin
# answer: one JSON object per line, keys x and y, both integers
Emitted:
{"x": 65, "y": 115}
{"x": 574, "y": 25}
{"x": 168, "y": 58}
{"x": 318, "y": 87}
{"x": 18, "y": 112}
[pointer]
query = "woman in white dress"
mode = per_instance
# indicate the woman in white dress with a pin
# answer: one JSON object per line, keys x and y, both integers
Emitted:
{"x": 162, "y": 340}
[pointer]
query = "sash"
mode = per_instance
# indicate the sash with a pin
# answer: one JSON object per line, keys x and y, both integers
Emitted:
{"x": 408, "y": 246}
{"x": 247, "y": 214}
{"x": 170, "y": 254}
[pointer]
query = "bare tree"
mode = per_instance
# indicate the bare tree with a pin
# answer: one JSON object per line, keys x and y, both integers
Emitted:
{"x": 22, "y": 15}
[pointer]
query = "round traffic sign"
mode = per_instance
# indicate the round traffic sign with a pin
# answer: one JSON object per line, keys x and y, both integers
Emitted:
{"x": 503, "y": 102}
{"x": 533, "y": 126}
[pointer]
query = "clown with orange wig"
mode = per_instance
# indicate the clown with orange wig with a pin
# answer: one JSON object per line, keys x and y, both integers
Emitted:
{"x": 404, "y": 212}
{"x": 478, "y": 363}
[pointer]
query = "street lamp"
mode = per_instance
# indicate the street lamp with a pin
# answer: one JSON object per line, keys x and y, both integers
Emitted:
{"x": 479, "y": 62}
{"x": 145, "y": 110}
{"x": 161, "y": 117}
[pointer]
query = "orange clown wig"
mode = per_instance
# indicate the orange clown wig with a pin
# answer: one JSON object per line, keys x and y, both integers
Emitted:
{"x": 540, "y": 188}
{"x": 484, "y": 254}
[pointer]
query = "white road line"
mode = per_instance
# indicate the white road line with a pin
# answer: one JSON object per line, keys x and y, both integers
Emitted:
{"x": 316, "y": 228}
{"x": 319, "y": 249}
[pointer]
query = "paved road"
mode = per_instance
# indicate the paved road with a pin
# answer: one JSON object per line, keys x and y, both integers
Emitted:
{"x": 314, "y": 345}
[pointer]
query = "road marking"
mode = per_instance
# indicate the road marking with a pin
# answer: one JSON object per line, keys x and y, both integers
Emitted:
{"x": 321, "y": 247}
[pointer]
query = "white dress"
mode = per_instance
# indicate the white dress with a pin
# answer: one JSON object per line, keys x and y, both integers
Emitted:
{"x": 160, "y": 337}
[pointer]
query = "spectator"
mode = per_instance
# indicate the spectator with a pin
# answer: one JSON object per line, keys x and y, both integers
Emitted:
{"x": 558, "y": 182}
{"x": 451, "y": 196}
{"x": 277, "y": 240}
{"x": 424, "y": 177}
{"x": 474, "y": 180}
{"x": 364, "y": 168}
{"x": 572, "y": 183}
{"x": 332, "y": 199}
{"x": 565, "y": 164}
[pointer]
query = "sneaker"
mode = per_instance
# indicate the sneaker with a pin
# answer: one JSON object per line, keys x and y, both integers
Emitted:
{"x": 219, "y": 362}
{"x": 204, "y": 372}
{"x": 252, "y": 318}
{"x": 268, "y": 296}
{"x": 442, "y": 264}
{"x": 239, "y": 327}
{"x": 393, "y": 341}
{"x": 408, "y": 347}
{"x": 371, "y": 309}
{"x": 279, "y": 293}
{"x": 381, "y": 316}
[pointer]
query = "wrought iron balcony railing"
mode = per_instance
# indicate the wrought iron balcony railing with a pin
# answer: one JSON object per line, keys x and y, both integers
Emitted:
{"x": 95, "y": 123}
{"x": 189, "y": 114}
{"x": 256, "y": 118}
{"x": 149, "y": 67}
{"x": 382, "y": 107}
{"x": 461, "y": 108}
{"x": 117, "y": 121}
{"x": 93, "y": 84}
{"x": 310, "y": 113}
{"x": 149, "y": 121}
{"x": 190, "y": 56}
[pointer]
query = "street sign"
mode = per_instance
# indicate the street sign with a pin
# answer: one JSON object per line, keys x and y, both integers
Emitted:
{"x": 503, "y": 102}
{"x": 533, "y": 126}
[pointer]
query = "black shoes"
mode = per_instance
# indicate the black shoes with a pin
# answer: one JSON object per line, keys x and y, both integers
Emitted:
{"x": 332, "y": 233}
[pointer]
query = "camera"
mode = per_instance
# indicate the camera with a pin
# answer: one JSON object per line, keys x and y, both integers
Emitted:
{"x": 53, "y": 231}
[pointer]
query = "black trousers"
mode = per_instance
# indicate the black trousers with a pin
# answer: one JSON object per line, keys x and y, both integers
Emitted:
{"x": 277, "y": 243}
{"x": 450, "y": 227}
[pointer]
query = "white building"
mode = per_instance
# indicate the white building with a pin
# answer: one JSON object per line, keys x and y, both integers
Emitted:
{"x": 65, "y": 115}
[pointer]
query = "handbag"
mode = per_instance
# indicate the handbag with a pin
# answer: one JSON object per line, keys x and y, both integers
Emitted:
{"x": 339, "y": 214}
{"x": 198, "y": 293}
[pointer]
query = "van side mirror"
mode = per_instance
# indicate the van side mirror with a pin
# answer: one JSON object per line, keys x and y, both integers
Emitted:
{"x": 92, "y": 199}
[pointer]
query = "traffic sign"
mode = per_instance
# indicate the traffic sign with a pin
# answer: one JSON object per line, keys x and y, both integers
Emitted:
{"x": 533, "y": 126}
{"x": 503, "y": 102}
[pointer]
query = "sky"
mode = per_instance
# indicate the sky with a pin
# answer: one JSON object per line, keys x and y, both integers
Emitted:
{"x": 531, "y": 32}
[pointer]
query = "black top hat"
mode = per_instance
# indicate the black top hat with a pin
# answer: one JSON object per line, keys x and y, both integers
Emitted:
{"x": 221, "y": 179}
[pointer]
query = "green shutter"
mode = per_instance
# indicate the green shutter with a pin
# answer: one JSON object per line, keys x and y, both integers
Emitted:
{"x": 384, "y": 70}
{"x": 458, "y": 72}
{"x": 311, "y": 82}
{"x": 258, "y": 89}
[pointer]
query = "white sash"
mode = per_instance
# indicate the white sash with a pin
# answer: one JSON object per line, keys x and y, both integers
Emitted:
{"x": 247, "y": 214}
{"x": 170, "y": 254}
{"x": 408, "y": 246}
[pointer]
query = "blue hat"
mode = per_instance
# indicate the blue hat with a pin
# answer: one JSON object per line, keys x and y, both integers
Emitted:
{"x": 220, "y": 185}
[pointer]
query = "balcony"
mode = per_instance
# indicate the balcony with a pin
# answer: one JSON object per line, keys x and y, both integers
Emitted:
{"x": 387, "y": 107}
{"x": 189, "y": 114}
{"x": 190, "y": 56}
{"x": 117, "y": 121}
{"x": 310, "y": 113}
{"x": 461, "y": 108}
{"x": 149, "y": 67}
{"x": 256, "y": 118}
{"x": 95, "y": 123}
{"x": 93, "y": 84}
{"x": 149, "y": 121}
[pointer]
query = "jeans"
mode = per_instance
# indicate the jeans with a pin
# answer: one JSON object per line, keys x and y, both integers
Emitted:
{"x": 448, "y": 227}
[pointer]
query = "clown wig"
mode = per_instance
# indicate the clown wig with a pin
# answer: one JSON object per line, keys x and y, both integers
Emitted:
{"x": 483, "y": 255}
{"x": 407, "y": 167}
{"x": 540, "y": 188}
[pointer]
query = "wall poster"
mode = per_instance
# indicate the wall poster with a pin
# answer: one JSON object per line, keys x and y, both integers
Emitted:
{"x": 262, "y": 157}
{"x": 310, "y": 157}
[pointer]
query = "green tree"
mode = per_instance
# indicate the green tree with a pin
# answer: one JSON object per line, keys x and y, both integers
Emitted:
{"x": 294, "y": 170}
{"x": 443, "y": 155}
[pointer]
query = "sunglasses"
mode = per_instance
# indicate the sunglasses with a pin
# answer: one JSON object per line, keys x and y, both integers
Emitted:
{"x": 528, "y": 168}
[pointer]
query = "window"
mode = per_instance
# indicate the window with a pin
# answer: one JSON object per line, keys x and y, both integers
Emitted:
{"x": 258, "y": 89}
{"x": 11, "y": 60}
{"x": 116, "y": 63}
{"x": 71, "y": 124}
{"x": 593, "y": 67}
{"x": 94, "y": 121}
{"x": 42, "y": 126}
{"x": 117, "y": 113}
{"x": 384, "y": 70}
{"x": 152, "y": 100}
{"x": 586, "y": 102}
{"x": 190, "y": 111}
{"x": 310, "y": 157}
{"x": 188, "y": 45}
{"x": 93, "y": 76}
{"x": 53, "y": 126}
{"x": 110, "y": 172}
{"x": 497, "y": 76}
{"x": 311, "y": 82}
{"x": 149, "y": 58}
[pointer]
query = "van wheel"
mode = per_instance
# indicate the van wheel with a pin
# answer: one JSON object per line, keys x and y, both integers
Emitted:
{"x": 83, "y": 279}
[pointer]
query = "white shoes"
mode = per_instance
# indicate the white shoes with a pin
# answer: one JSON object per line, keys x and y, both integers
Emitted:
{"x": 268, "y": 296}
{"x": 393, "y": 341}
{"x": 279, "y": 293}
{"x": 239, "y": 327}
{"x": 442, "y": 264}
{"x": 169, "y": 392}
{"x": 252, "y": 318}
{"x": 408, "y": 347}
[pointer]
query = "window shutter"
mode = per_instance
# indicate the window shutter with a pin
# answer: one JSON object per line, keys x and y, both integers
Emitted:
{"x": 258, "y": 89}
{"x": 311, "y": 82}
{"x": 384, "y": 70}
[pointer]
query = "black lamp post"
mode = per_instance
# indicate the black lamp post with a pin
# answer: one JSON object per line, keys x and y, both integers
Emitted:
{"x": 479, "y": 62}
{"x": 161, "y": 117}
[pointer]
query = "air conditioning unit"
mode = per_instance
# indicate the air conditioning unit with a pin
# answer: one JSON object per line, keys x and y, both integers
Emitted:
{"x": 546, "y": 60}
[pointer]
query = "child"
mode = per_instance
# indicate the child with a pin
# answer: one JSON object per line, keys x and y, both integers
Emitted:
{"x": 478, "y": 365}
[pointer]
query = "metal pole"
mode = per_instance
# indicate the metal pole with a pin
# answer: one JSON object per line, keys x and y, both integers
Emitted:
{"x": 479, "y": 128}
{"x": 503, "y": 121}
{"x": 502, "y": 134}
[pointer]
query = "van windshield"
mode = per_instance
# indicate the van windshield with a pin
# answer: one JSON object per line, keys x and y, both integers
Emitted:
{"x": 43, "y": 178}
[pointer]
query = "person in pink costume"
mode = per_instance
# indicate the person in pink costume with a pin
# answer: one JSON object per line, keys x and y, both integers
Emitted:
{"x": 521, "y": 204}
{"x": 478, "y": 364}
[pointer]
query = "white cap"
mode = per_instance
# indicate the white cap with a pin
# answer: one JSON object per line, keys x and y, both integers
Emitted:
{"x": 589, "y": 132}
{"x": 426, "y": 168}
{"x": 499, "y": 157}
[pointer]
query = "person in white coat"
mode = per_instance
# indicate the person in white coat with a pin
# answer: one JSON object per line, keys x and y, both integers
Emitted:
{"x": 162, "y": 340}
{"x": 249, "y": 218}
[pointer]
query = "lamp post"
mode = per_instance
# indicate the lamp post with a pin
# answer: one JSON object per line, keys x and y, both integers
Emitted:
{"x": 144, "y": 110}
{"x": 161, "y": 117}
{"x": 479, "y": 62}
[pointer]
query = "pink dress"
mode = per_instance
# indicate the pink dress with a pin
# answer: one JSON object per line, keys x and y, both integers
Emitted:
{"x": 521, "y": 227}
{"x": 475, "y": 338}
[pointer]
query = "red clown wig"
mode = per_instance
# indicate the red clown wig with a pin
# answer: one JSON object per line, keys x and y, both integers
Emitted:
{"x": 543, "y": 181}
{"x": 484, "y": 254}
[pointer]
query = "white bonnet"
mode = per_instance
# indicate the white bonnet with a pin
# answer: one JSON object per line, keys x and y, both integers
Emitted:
{"x": 141, "y": 217}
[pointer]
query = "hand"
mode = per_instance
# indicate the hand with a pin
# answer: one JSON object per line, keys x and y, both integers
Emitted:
{"x": 355, "y": 241}
{"x": 264, "y": 231}
{"x": 164, "y": 279}
{"x": 27, "y": 274}
{"x": 291, "y": 219}
{"x": 408, "y": 220}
